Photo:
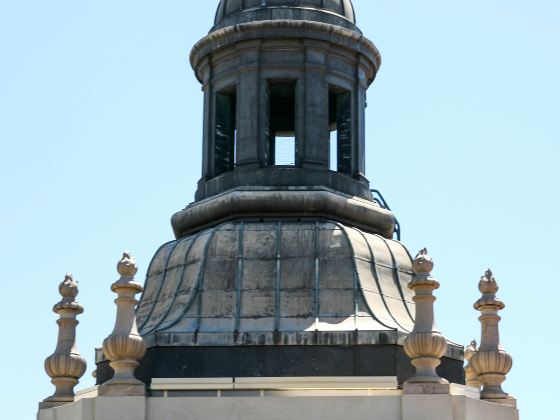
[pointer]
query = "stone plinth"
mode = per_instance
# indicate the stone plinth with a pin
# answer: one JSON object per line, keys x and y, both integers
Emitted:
{"x": 256, "y": 405}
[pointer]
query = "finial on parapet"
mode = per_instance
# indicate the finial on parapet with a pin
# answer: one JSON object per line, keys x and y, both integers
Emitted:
{"x": 490, "y": 362}
{"x": 127, "y": 266}
{"x": 423, "y": 263}
{"x": 470, "y": 374}
{"x": 125, "y": 347}
{"x": 425, "y": 345}
{"x": 66, "y": 365}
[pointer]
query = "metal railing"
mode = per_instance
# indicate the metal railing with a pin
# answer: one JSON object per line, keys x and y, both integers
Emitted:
{"x": 379, "y": 199}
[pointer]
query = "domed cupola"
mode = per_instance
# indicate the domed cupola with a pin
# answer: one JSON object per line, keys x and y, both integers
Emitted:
{"x": 336, "y": 12}
{"x": 283, "y": 265}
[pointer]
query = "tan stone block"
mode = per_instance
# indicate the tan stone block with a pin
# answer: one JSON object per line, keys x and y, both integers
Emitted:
{"x": 426, "y": 388}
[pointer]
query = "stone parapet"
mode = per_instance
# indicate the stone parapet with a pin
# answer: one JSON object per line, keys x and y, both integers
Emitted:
{"x": 256, "y": 405}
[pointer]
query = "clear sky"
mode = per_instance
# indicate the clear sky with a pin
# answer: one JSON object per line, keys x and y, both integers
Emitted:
{"x": 100, "y": 128}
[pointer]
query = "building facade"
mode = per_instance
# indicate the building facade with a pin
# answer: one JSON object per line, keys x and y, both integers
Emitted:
{"x": 284, "y": 293}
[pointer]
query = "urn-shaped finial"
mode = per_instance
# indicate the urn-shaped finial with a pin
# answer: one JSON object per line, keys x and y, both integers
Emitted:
{"x": 490, "y": 362}
{"x": 69, "y": 287}
{"x": 423, "y": 263}
{"x": 488, "y": 283}
{"x": 470, "y": 374}
{"x": 425, "y": 345}
{"x": 66, "y": 365}
{"x": 125, "y": 347}
{"x": 127, "y": 266}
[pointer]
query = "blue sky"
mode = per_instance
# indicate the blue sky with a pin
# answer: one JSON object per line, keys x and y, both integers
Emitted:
{"x": 100, "y": 127}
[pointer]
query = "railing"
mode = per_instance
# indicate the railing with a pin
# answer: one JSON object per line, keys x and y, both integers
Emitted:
{"x": 379, "y": 199}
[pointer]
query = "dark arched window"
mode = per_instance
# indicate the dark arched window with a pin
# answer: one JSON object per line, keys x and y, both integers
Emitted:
{"x": 282, "y": 123}
{"x": 340, "y": 126}
{"x": 225, "y": 130}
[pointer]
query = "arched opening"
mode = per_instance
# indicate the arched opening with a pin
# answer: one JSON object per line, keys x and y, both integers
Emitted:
{"x": 340, "y": 126}
{"x": 282, "y": 144}
{"x": 225, "y": 130}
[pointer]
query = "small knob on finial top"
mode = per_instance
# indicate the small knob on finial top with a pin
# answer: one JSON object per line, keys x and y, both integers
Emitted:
{"x": 423, "y": 263}
{"x": 69, "y": 287}
{"x": 127, "y": 266}
{"x": 488, "y": 283}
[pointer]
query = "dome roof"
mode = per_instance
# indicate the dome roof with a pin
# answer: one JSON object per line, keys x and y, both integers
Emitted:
{"x": 269, "y": 283}
{"x": 337, "y": 12}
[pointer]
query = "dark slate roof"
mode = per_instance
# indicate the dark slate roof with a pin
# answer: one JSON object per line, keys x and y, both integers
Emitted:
{"x": 336, "y": 12}
{"x": 261, "y": 282}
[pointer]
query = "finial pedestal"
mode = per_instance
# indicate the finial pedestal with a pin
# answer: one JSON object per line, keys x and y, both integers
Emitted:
{"x": 425, "y": 345}
{"x": 490, "y": 362}
{"x": 66, "y": 365}
{"x": 125, "y": 347}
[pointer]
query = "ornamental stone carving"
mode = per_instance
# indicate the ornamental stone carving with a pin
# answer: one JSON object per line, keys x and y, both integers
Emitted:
{"x": 65, "y": 366}
{"x": 470, "y": 374}
{"x": 491, "y": 363}
{"x": 425, "y": 345}
{"x": 125, "y": 347}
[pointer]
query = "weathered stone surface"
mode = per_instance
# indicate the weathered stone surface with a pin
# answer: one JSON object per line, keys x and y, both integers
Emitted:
{"x": 383, "y": 405}
{"x": 66, "y": 365}
{"x": 319, "y": 61}
{"x": 248, "y": 279}
{"x": 124, "y": 347}
{"x": 425, "y": 345}
{"x": 336, "y": 12}
{"x": 293, "y": 203}
{"x": 490, "y": 361}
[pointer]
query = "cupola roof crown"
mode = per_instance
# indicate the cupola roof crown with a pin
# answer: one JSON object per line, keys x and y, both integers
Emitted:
{"x": 233, "y": 12}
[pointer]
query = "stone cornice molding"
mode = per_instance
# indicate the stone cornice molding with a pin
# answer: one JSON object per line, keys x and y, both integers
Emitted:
{"x": 286, "y": 29}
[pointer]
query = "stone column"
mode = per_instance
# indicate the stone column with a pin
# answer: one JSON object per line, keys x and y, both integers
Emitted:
{"x": 425, "y": 345}
{"x": 315, "y": 109}
{"x": 65, "y": 366}
{"x": 359, "y": 121}
{"x": 249, "y": 109}
{"x": 125, "y": 347}
{"x": 490, "y": 362}
{"x": 470, "y": 374}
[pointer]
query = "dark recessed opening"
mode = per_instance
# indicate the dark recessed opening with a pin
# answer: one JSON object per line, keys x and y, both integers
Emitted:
{"x": 282, "y": 122}
{"x": 340, "y": 126}
{"x": 225, "y": 130}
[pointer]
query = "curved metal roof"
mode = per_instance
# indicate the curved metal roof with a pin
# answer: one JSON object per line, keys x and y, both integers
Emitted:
{"x": 252, "y": 282}
{"x": 233, "y": 12}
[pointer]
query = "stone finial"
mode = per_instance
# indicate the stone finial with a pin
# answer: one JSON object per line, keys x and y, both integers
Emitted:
{"x": 65, "y": 366}
{"x": 127, "y": 266}
{"x": 425, "y": 345}
{"x": 423, "y": 263}
{"x": 490, "y": 362}
{"x": 125, "y": 347}
{"x": 470, "y": 374}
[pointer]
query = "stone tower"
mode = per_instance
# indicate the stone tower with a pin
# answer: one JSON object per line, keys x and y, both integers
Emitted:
{"x": 284, "y": 287}
{"x": 284, "y": 265}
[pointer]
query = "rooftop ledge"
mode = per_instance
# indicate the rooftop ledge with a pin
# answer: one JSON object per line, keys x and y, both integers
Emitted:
{"x": 314, "y": 398}
{"x": 286, "y": 386}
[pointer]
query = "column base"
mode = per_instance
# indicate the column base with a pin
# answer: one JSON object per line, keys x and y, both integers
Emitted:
{"x": 122, "y": 390}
